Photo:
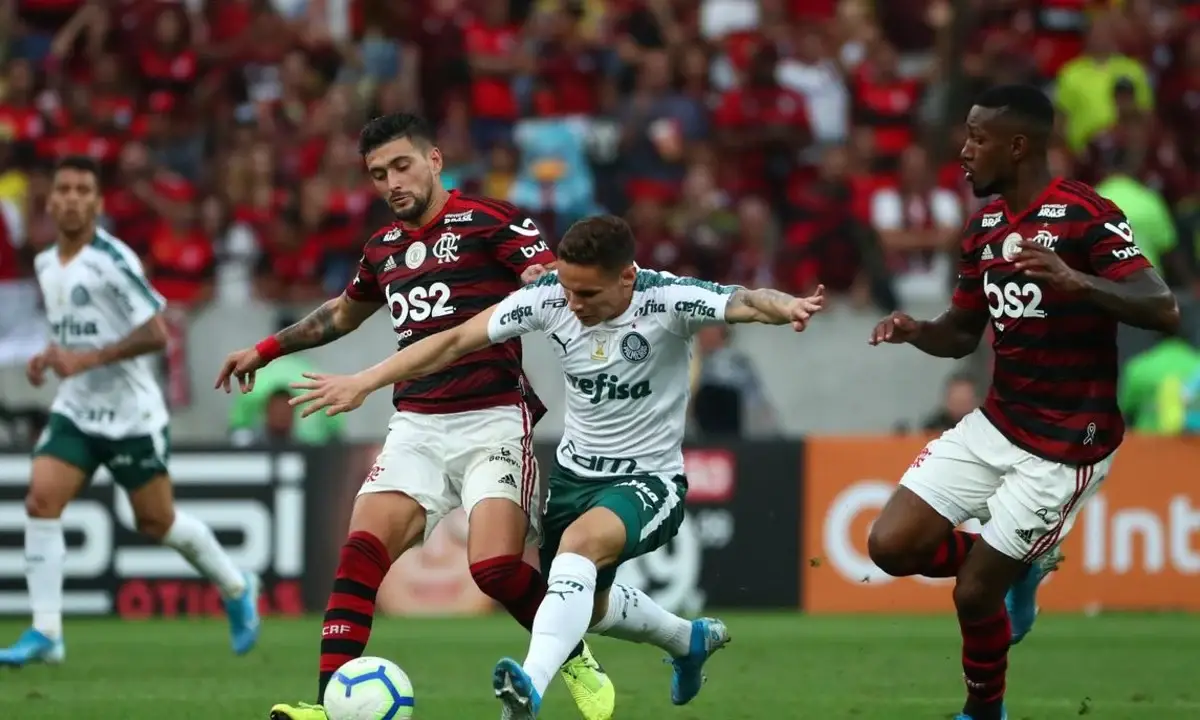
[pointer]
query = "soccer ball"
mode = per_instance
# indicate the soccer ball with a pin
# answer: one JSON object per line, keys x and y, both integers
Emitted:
{"x": 369, "y": 688}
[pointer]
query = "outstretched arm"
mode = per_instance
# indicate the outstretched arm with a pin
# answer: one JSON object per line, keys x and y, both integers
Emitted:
{"x": 343, "y": 393}
{"x": 771, "y": 307}
{"x": 430, "y": 354}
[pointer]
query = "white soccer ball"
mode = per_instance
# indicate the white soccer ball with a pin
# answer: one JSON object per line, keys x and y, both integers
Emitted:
{"x": 369, "y": 688}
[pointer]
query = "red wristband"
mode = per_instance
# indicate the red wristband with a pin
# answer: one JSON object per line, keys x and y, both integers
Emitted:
{"x": 269, "y": 349}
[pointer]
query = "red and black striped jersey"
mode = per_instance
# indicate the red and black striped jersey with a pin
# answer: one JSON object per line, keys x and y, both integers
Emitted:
{"x": 1054, "y": 384}
{"x": 435, "y": 277}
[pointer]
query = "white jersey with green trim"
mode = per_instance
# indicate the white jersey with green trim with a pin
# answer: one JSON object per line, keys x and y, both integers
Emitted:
{"x": 97, "y": 299}
{"x": 627, "y": 379}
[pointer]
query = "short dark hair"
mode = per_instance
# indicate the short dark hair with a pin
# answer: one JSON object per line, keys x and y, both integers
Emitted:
{"x": 1027, "y": 103}
{"x": 387, "y": 128}
{"x": 605, "y": 241}
{"x": 82, "y": 163}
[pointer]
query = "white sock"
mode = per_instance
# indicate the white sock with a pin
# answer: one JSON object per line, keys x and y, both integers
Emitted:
{"x": 197, "y": 544}
{"x": 633, "y": 616}
{"x": 563, "y": 618}
{"x": 45, "y": 553}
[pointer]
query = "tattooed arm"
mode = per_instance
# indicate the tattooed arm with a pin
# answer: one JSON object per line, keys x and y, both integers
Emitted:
{"x": 335, "y": 318}
{"x": 767, "y": 306}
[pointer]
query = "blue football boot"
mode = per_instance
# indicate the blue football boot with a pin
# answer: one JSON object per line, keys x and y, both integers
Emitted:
{"x": 708, "y": 636}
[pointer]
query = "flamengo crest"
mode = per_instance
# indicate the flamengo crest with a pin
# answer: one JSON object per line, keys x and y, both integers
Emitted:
{"x": 446, "y": 248}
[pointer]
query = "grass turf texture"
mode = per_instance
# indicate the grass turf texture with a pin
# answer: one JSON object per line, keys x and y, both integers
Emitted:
{"x": 1113, "y": 667}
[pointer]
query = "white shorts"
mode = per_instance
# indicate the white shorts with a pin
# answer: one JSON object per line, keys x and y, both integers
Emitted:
{"x": 449, "y": 460}
{"x": 1028, "y": 504}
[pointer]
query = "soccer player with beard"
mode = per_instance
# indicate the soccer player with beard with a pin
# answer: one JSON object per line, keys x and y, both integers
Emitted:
{"x": 460, "y": 437}
{"x": 1053, "y": 267}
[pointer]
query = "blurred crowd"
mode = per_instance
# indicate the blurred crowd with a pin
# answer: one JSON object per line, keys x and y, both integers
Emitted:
{"x": 753, "y": 141}
{"x": 759, "y": 141}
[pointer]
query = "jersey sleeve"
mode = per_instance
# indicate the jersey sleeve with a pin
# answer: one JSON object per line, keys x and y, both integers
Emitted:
{"x": 132, "y": 292}
{"x": 1112, "y": 252}
{"x": 523, "y": 311}
{"x": 517, "y": 243}
{"x": 692, "y": 304}
{"x": 968, "y": 293}
{"x": 364, "y": 286}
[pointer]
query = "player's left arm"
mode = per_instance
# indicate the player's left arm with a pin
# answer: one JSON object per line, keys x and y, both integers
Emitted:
{"x": 772, "y": 307}
{"x": 510, "y": 318}
{"x": 1125, "y": 283}
{"x": 519, "y": 245}
{"x": 694, "y": 303}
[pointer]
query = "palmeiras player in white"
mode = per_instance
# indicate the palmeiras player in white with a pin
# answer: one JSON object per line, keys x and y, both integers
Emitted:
{"x": 1052, "y": 267}
{"x": 107, "y": 324}
{"x": 617, "y": 488}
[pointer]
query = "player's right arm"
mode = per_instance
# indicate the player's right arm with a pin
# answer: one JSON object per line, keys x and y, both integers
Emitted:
{"x": 332, "y": 320}
{"x": 953, "y": 334}
{"x": 514, "y": 316}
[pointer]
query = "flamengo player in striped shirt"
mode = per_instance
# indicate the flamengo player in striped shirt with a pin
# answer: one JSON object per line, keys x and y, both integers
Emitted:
{"x": 1053, "y": 268}
{"x": 461, "y": 437}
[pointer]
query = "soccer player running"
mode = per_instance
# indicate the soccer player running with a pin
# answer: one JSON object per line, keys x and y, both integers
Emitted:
{"x": 106, "y": 323}
{"x": 460, "y": 438}
{"x": 1053, "y": 267}
{"x": 617, "y": 488}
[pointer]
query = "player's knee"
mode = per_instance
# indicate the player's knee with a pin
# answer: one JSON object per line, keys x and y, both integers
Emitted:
{"x": 155, "y": 525}
{"x": 890, "y": 551}
{"x": 505, "y": 578}
{"x": 43, "y": 503}
{"x": 395, "y": 519}
{"x": 602, "y": 548}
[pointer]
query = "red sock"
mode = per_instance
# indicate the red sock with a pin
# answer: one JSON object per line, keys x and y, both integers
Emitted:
{"x": 951, "y": 554}
{"x": 516, "y": 585}
{"x": 985, "y": 662}
{"x": 363, "y": 562}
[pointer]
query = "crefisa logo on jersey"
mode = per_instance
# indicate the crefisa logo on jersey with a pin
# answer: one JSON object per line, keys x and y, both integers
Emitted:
{"x": 635, "y": 347}
{"x": 651, "y": 307}
{"x": 609, "y": 387}
{"x": 699, "y": 308}
{"x": 1053, "y": 211}
{"x": 516, "y": 315}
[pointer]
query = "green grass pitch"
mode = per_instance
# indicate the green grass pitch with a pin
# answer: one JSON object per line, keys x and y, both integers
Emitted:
{"x": 785, "y": 666}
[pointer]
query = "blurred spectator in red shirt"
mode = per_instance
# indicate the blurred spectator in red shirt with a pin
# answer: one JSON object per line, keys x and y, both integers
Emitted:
{"x": 761, "y": 128}
{"x": 495, "y": 55}
{"x": 182, "y": 260}
{"x": 568, "y": 69}
{"x": 917, "y": 224}
{"x": 20, "y": 120}
{"x": 886, "y": 102}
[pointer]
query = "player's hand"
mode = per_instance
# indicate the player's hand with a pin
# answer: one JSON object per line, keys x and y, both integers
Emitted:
{"x": 1041, "y": 263}
{"x": 66, "y": 363}
{"x": 242, "y": 364}
{"x": 337, "y": 394}
{"x": 897, "y": 329}
{"x": 35, "y": 370}
{"x": 533, "y": 272}
{"x": 804, "y": 308}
